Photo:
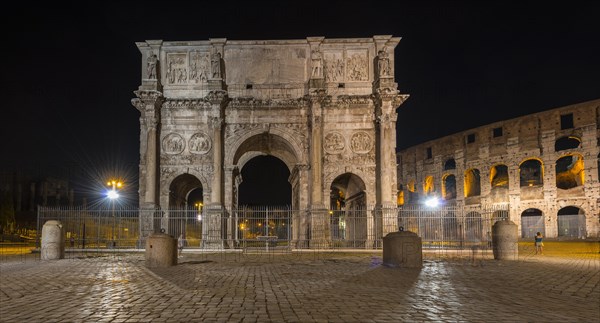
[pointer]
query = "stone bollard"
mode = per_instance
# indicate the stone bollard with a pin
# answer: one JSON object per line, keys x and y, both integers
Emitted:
{"x": 402, "y": 249}
{"x": 53, "y": 240}
{"x": 161, "y": 250}
{"x": 505, "y": 240}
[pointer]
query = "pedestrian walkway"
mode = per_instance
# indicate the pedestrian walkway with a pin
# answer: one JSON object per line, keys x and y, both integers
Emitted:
{"x": 300, "y": 287}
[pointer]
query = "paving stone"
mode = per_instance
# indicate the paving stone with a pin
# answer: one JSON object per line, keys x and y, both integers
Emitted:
{"x": 305, "y": 288}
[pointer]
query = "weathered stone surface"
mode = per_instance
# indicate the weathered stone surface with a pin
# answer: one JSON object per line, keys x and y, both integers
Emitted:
{"x": 516, "y": 162}
{"x": 53, "y": 240}
{"x": 161, "y": 250}
{"x": 402, "y": 249}
{"x": 504, "y": 240}
{"x": 325, "y": 107}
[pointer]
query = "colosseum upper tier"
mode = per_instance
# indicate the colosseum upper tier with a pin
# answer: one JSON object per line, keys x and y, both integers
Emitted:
{"x": 545, "y": 167}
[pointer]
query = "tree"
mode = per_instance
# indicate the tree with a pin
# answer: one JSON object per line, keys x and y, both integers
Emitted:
{"x": 7, "y": 211}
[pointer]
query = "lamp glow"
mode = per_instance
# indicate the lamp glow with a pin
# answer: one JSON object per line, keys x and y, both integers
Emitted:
{"x": 432, "y": 202}
{"x": 112, "y": 194}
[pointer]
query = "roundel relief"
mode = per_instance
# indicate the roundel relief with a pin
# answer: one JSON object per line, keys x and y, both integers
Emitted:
{"x": 199, "y": 143}
{"x": 361, "y": 142}
{"x": 334, "y": 143}
{"x": 173, "y": 144}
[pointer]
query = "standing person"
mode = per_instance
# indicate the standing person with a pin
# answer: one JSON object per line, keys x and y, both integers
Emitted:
{"x": 180, "y": 245}
{"x": 539, "y": 244}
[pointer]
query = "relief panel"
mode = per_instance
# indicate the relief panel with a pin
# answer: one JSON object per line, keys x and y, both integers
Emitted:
{"x": 176, "y": 68}
{"x": 199, "y": 67}
{"x": 357, "y": 65}
{"x": 173, "y": 144}
{"x": 199, "y": 143}
{"x": 334, "y": 66}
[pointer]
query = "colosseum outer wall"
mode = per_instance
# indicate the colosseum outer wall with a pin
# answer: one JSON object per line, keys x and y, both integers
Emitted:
{"x": 544, "y": 164}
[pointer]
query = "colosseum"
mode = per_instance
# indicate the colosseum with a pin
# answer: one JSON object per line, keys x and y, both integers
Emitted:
{"x": 544, "y": 167}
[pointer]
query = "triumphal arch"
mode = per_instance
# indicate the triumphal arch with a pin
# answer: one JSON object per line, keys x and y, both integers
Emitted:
{"x": 325, "y": 107}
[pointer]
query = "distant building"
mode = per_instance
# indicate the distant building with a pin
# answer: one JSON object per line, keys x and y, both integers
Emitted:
{"x": 545, "y": 166}
{"x": 22, "y": 193}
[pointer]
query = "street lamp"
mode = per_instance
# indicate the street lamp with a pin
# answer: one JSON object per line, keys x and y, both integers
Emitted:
{"x": 199, "y": 205}
{"x": 113, "y": 195}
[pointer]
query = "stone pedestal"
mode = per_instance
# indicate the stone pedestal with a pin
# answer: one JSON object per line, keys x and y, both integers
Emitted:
{"x": 504, "y": 240}
{"x": 212, "y": 224}
{"x": 402, "y": 249}
{"x": 53, "y": 240}
{"x": 320, "y": 237}
{"x": 161, "y": 250}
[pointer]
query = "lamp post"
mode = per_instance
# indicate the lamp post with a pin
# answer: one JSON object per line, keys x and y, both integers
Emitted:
{"x": 113, "y": 195}
{"x": 199, "y": 205}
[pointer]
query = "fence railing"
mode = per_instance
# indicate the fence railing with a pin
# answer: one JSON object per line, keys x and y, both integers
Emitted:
{"x": 275, "y": 228}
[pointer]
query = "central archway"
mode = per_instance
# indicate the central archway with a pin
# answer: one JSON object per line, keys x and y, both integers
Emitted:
{"x": 265, "y": 181}
{"x": 249, "y": 153}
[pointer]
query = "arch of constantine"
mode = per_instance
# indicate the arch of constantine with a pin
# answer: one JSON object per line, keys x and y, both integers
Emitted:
{"x": 545, "y": 167}
{"x": 325, "y": 107}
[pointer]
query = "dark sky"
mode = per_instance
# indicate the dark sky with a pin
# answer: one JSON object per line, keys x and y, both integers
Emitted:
{"x": 70, "y": 69}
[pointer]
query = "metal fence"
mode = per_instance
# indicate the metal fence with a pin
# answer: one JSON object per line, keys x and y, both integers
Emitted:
{"x": 276, "y": 228}
{"x": 452, "y": 227}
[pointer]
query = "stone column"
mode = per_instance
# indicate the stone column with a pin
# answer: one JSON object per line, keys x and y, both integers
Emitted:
{"x": 318, "y": 215}
{"x": 218, "y": 99}
{"x": 149, "y": 103}
{"x": 316, "y": 150}
{"x": 214, "y": 219}
{"x": 387, "y": 100}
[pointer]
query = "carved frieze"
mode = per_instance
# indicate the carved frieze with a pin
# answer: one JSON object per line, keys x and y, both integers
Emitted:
{"x": 173, "y": 144}
{"x": 176, "y": 68}
{"x": 346, "y": 101}
{"x": 252, "y": 102}
{"x": 187, "y": 104}
{"x": 199, "y": 67}
{"x": 199, "y": 143}
{"x": 334, "y": 142}
{"x": 184, "y": 159}
{"x": 361, "y": 142}
{"x": 347, "y": 158}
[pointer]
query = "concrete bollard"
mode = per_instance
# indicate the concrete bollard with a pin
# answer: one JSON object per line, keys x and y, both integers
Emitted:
{"x": 161, "y": 250}
{"x": 402, "y": 249}
{"x": 505, "y": 240}
{"x": 53, "y": 240}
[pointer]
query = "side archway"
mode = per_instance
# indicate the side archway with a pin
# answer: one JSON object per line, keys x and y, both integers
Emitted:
{"x": 348, "y": 210}
{"x": 180, "y": 188}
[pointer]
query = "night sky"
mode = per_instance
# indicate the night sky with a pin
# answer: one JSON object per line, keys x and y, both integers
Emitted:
{"x": 69, "y": 69}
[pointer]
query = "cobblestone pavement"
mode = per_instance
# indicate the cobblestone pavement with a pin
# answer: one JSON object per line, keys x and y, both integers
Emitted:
{"x": 308, "y": 287}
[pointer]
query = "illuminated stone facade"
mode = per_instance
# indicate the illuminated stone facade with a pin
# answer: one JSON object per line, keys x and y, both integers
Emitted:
{"x": 325, "y": 107}
{"x": 544, "y": 165}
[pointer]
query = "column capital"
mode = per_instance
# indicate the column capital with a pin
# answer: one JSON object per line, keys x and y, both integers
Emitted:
{"x": 147, "y": 100}
{"x": 217, "y": 97}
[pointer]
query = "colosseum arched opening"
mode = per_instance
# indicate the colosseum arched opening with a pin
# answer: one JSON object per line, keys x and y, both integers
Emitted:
{"x": 571, "y": 222}
{"x": 566, "y": 143}
{"x": 472, "y": 186}
{"x": 449, "y": 187}
{"x": 532, "y": 221}
{"x": 570, "y": 174}
{"x": 499, "y": 183}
